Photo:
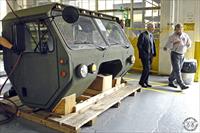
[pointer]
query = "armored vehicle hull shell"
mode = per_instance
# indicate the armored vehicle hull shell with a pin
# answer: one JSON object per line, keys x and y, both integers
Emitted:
{"x": 60, "y": 58}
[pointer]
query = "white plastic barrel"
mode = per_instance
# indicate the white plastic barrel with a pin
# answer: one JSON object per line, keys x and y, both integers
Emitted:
{"x": 188, "y": 78}
{"x": 188, "y": 71}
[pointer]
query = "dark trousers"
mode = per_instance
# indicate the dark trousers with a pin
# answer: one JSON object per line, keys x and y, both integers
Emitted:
{"x": 177, "y": 63}
{"x": 146, "y": 63}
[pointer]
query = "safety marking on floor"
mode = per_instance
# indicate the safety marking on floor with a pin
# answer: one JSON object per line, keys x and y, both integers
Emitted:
{"x": 129, "y": 79}
{"x": 156, "y": 84}
{"x": 163, "y": 91}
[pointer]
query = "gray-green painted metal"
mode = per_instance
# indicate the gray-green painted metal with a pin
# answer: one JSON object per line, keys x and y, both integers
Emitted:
{"x": 37, "y": 79}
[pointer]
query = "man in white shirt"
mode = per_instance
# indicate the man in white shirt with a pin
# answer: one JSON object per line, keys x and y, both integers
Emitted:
{"x": 178, "y": 43}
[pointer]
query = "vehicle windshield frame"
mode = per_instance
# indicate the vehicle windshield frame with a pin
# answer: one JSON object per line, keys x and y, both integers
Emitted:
{"x": 102, "y": 28}
{"x": 82, "y": 45}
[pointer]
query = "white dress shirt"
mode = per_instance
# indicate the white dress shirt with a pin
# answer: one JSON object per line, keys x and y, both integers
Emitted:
{"x": 181, "y": 47}
{"x": 150, "y": 37}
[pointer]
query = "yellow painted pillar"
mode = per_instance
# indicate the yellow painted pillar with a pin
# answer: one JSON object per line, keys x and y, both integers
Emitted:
{"x": 197, "y": 57}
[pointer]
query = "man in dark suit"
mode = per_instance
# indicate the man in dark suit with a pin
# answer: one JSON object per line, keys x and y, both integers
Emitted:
{"x": 147, "y": 50}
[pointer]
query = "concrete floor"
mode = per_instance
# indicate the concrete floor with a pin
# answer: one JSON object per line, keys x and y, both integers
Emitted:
{"x": 157, "y": 109}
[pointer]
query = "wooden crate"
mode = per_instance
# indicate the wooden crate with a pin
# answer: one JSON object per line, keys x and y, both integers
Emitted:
{"x": 69, "y": 116}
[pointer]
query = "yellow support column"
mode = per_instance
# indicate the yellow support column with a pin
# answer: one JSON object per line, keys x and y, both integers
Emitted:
{"x": 197, "y": 57}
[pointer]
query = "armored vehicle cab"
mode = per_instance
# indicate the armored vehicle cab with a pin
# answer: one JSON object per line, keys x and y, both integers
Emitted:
{"x": 60, "y": 50}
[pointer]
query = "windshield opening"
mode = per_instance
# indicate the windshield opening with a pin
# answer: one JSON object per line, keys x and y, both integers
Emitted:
{"x": 82, "y": 34}
{"x": 112, "y": 32}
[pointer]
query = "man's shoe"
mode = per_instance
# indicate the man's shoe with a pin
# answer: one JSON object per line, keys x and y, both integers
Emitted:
{"x": 183, "y": 87}
{"x": 143, "y": 85}
{"x": 172, "y": 85}
{"x": 148, "y": 85}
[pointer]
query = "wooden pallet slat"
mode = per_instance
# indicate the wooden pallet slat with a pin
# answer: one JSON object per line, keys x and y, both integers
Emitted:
{"x": 94, "y": 99}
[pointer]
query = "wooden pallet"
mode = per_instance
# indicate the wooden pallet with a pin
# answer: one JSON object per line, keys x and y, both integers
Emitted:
{"x": 71, "y": 119}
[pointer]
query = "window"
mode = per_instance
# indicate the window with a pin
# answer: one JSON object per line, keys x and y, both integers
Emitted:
{"x": 109, "y": 4}
{"x": 101, "y": 5}
{"x": 82, "y": 34}
{"x": 112, "y": 32}
{"x": 38, "y": 37}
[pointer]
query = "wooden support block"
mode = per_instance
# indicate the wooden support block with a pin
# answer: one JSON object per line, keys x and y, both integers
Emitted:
{"x": 91, "y": 92}
{"x": 139, "y": 90}
{"x": 66, "y": 105}
{"x": 116, "y": 81}
{"x": 116, "y": 105}
{"x": 102, "y": 83}
{"x": 133, "y": 94}
{"x": 82, "y": 98}
{"x": 91, "y": 122}
{"x": 123, "y": 81}
{"x": 77, "y": 131}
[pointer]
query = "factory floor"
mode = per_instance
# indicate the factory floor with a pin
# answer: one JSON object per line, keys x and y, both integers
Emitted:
{"x": 157, "y": 109}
